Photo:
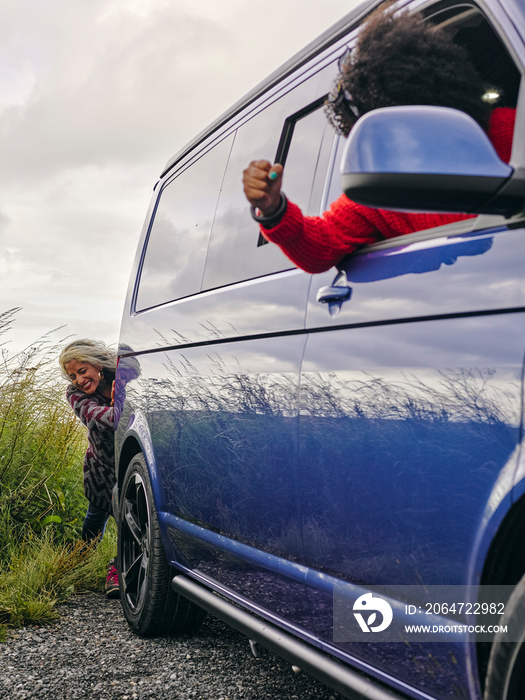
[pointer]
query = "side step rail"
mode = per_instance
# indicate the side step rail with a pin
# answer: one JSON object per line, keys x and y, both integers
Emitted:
{"x": 349, "y": 683}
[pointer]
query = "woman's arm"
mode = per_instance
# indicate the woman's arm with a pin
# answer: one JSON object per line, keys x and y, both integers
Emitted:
{"x": 313, "y": 243}
{"x": 316, "y": 243}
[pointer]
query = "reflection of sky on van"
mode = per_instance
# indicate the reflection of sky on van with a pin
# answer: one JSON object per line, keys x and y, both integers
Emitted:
{"x": 458, "y": 279}
{"x": 176, "y": 249}
{"x": 476, "y": 341}
{"x": 270, "y": 305}
{"x": 94, "y": 99}
{"x": 385, "y": 285}
{"x": 233, "y": 252}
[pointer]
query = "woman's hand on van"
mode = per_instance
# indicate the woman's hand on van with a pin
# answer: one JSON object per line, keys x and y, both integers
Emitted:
{"x": 262, "y": 186}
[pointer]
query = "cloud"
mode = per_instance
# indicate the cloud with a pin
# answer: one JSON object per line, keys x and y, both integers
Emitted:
{"x": 124, "y": 82}
{"x": 116, "y": 89}
{"x": 95, "y": 98}
{"x": 4, "y": 223}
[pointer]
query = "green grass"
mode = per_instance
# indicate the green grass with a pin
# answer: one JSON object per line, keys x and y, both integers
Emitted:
{"x": 43, "y": 574}
{"x": 42, "y": 505}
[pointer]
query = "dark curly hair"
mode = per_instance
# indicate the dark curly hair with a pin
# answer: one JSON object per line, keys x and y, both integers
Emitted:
{"x": 403, "y": 60}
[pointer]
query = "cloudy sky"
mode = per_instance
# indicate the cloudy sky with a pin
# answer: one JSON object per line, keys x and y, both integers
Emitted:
{"x": 95, "y": 97}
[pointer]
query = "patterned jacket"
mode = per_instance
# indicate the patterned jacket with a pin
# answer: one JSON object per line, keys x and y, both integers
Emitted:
{"x": 96, "y": 414}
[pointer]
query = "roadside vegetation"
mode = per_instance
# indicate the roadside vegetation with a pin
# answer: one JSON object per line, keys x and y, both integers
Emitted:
{"x": 42, "y": 560}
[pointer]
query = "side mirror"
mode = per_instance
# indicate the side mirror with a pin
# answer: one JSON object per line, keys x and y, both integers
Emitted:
{"x": 427, "y": 159}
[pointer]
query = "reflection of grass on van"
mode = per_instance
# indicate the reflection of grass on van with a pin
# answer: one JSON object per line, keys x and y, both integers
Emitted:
{"x": 399, "y": 468}
{"x": 232, "y": 443}
{"x": 376, "y": 495}
{"x": 41, "y": 499}
{"x": 206, "y": 426}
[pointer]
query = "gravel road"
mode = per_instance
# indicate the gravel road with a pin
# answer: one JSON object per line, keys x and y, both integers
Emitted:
{"x": 91, "y": 653}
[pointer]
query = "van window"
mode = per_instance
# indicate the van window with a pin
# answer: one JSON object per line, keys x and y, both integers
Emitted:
{"x": 470, "y": 29}
{"x": 302, "y": 157}
{"x": 234, "y": 254}
{"x": 305, "y": 155}
{"x": 176, "y": 248}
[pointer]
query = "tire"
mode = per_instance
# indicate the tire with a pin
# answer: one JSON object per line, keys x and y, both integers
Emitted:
{"x": 150, "y": 605}
{"x": 506, "y": 669}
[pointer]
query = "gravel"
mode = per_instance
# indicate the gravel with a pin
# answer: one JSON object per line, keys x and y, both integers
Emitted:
{"x": 91, "y": 653}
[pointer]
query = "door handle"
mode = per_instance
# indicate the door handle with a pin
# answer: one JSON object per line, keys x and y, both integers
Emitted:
{"x": 335, "y": 294}
{"x": 327, "y": 295}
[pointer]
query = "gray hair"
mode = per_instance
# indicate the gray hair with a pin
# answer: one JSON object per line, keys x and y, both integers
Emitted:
{"x": 95, "y": 352}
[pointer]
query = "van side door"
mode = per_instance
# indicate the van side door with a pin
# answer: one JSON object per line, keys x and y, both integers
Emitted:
{"x": 410, "y": 422}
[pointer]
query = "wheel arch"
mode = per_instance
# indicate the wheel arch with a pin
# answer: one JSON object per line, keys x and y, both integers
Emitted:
{"x": 137, "y": 440}
{"x": 149, "y": 603}
{"x": 505, "y": 561}
{"x": 504, "y": 565}
{"x": 130, "y": 448}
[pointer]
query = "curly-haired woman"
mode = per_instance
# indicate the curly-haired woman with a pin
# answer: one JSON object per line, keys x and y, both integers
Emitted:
{"x": 399, "y": 59}
{"x": 90, "y": 367}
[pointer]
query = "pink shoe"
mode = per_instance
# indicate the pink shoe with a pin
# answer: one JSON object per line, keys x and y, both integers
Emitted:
{"x": 112, "y": 586}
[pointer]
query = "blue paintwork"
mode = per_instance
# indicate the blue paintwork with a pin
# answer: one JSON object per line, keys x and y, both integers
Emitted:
{"x": 449, "y": 478}
{"x": 291, "y": 451}
{"x": 220, "y": 402}
{"x": 421, "y": 140}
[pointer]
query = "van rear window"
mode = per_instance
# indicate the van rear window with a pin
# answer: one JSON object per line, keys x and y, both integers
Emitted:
{"x": 176, "y": 248}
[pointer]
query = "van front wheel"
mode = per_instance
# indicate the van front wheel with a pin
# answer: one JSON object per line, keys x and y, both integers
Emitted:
{"x": 150, "y": 605}
{"x": 506, "y": 670}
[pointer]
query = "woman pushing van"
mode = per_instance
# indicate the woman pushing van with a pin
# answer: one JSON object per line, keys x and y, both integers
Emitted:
{"x": 90, "y": 366}
{"x": 398, "y": 60}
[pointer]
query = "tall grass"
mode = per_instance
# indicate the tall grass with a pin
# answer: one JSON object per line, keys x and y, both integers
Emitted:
{"x": 42, "y": 505}
{"x": 43, "y": 574}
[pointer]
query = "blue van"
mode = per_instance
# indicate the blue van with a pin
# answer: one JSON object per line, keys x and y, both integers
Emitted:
{"x": 332, "y": 463}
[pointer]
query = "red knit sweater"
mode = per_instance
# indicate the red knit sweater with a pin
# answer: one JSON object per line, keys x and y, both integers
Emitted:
{"x": 315, "y": 243}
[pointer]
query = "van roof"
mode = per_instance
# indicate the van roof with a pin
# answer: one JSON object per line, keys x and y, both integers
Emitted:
{"x": 330, "y": 36}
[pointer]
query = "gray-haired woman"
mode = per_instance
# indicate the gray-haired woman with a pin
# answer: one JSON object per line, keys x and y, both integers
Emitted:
{"x": 90, "y": 367}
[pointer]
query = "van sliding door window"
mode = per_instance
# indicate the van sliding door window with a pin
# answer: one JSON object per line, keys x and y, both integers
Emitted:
{"x": 301, "y": 150}
{"x": 178, "y": 239}
{"x": 234, "y": 254}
